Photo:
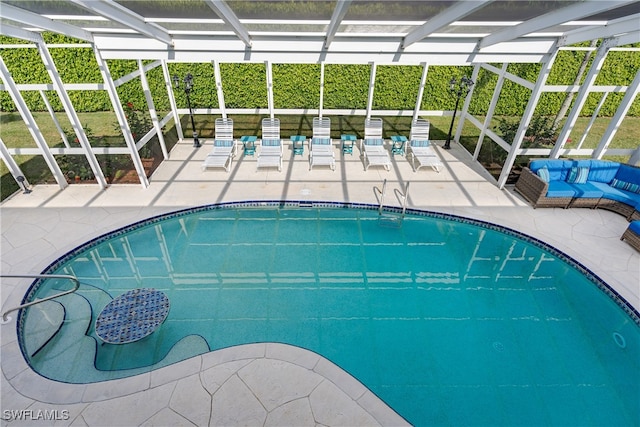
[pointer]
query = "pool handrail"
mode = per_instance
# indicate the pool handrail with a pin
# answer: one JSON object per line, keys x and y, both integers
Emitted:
{"x": 76, "y": 286}
{"x": 405, "y": 196}
{"x": 382, "y": 192}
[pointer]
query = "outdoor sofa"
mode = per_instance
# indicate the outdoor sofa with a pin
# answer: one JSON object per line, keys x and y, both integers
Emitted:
{"x": 632, "y": 235}
{"x": 582, "y": 183}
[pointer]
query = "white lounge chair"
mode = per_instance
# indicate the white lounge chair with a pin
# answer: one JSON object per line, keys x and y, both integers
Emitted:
{"x": 271, "y": 145}
{"x": 321, "y": 149}
{"x": 422, "y": 153}
{"x": 224, "y": 147}
{"x": 373, "y": 145}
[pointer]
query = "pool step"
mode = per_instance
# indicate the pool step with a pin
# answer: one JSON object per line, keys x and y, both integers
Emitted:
{"x": 46, "y": 319}
{"x": 62, "y": 352}
{"x": 390, "y": 220}
{"x": 76, "y": 319}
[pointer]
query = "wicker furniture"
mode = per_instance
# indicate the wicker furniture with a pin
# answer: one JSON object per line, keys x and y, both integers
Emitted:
{"x": 582, "y": 184}
{"x": 632, "y": 235}
{"x": 534, "y": 190}
{"x": 618, "y": 207}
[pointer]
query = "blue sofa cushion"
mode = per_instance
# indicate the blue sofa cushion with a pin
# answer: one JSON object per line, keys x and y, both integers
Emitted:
{"x": 560, "y": 189}
{"x": 612, "y": 193}
{"x": 602, "y": 171}
{"x": 558, "y": 169}
{"x": 587, "y": 190}
{"x": 628, "y": 173}
{"x": 635, "y": 227}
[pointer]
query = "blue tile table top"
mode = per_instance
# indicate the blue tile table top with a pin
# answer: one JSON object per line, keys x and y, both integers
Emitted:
{"x": 132, "y": 316}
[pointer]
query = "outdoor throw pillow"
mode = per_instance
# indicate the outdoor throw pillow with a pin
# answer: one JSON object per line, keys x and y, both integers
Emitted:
{"x": 543, "y": 173}
{"x": 420, "y": 143}
{"x": 578, "y": 175}
{"x": 627, "y": 186}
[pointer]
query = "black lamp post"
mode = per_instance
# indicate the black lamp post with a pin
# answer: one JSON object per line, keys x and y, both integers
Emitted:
{"x": 188, "y": 85}
{"x": 21, "y": 183}
{"x": 458, "y": 88}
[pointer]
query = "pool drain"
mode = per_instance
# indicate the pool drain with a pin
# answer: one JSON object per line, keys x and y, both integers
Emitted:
{"x": 619, "y": 340}
{"x": 498, "y": 346}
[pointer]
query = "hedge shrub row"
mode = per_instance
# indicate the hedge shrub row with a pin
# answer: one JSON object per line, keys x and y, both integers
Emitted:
{"x": 298, "y": 85}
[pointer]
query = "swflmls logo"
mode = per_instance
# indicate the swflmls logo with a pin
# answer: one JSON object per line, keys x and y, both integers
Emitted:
{"x": 35, "y": 415}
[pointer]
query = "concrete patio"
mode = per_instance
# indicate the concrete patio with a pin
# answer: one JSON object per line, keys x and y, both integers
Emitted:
{"x": 258, "y": 384}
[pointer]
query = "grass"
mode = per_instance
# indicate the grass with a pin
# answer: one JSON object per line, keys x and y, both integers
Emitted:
{"x": 102, "y": 125}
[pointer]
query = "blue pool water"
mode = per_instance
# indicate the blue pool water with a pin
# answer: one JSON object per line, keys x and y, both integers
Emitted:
{"x": 449, "y": 321}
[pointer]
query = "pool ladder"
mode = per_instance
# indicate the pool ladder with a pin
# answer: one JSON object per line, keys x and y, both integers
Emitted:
{"x": 391, "y": 217}
{"x": 76, "y": 285}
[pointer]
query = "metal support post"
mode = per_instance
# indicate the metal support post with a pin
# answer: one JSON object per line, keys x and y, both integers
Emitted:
{"x": 152, "y": 110}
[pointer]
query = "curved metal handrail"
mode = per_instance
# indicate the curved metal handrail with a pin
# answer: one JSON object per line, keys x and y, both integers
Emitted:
{"x": 76, "y": 286}
{"x": 404, "y": 201}
{"x": 382, "y": 192}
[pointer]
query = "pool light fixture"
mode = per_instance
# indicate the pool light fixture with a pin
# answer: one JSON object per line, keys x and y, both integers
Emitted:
{"x": 458, "y": 88}
{"x": 188, "y": 85}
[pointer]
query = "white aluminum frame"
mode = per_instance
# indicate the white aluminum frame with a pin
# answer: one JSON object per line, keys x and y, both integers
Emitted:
{"x": 32, "y": 126}
{"x": 424, "y": 43}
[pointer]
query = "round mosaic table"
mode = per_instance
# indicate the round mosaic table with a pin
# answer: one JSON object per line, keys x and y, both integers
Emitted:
{"x": 132, "y": 316}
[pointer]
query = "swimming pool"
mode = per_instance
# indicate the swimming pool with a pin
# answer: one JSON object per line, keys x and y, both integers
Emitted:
{"x": 448, "y": 320}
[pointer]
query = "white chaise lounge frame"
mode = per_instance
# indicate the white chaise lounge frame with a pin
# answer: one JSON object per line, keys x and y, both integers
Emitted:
{"x": 271, "y": 150}
{"x": 224, "y": 147}
{"x": 321, "y": 147}
{"x": 372, "y": 147}
{"x": 420, "y": 149}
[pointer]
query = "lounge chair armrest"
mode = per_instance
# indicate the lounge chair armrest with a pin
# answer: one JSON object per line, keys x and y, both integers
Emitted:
{"x": 531, "y": 186}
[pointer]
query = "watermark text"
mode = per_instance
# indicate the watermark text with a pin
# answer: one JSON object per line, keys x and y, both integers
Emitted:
{"x": 35, "y": 414}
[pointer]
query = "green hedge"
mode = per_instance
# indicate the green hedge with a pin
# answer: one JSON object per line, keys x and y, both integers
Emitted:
{"x": 396, "y": 87}
{"x": 346, "y": 86}
{"x": 298, "y": 85}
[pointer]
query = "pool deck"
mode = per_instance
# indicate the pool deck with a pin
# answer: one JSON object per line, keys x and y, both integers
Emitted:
{"x": 257, "y": 384}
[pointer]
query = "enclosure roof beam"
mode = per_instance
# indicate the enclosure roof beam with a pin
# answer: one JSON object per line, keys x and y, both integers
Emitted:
{"x": 19, "y": 33}
{"x": 229, "y": 17}
{"x": 570, "y": 13}
{"x": 338, "y": 14}
{"x": 613, "y": 28}
{"x": 114, "y": 12}
{"x": 628, "y": 38}
{"x": 443, "y": 19}
{"x": 34, "y": 20}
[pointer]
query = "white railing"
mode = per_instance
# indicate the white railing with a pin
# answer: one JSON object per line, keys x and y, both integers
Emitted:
{"x": 76, "y": 285}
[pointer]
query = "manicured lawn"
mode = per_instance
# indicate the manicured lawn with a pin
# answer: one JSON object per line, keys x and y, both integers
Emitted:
{"x": 104, "y": 132}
